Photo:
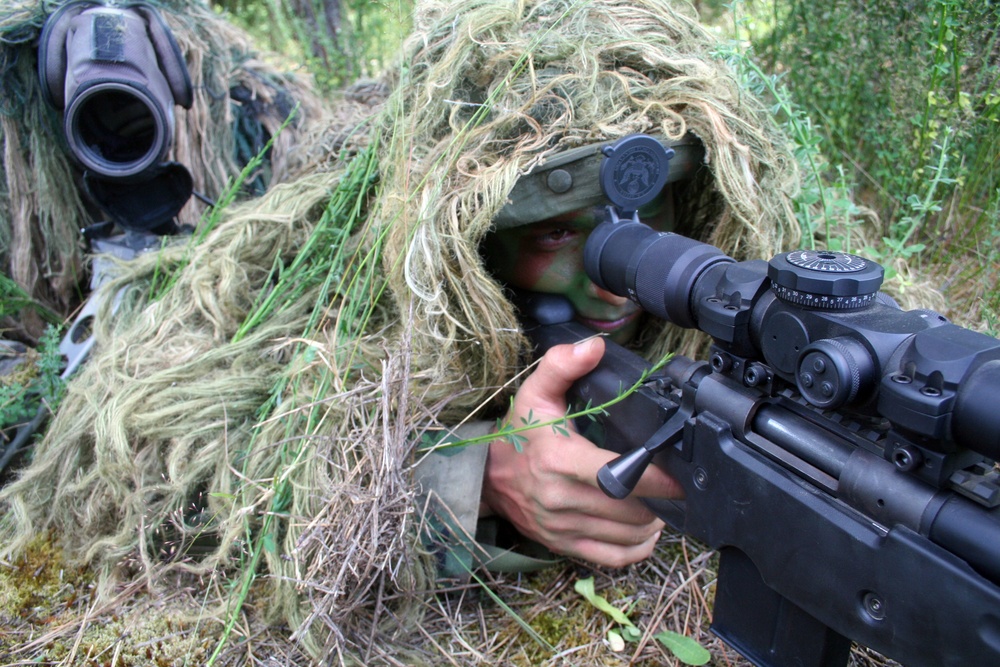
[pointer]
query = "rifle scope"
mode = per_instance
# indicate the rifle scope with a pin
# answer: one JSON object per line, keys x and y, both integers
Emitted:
{"x": 818, "y": 321}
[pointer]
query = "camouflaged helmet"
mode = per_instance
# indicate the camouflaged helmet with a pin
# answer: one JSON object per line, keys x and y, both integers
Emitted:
{"x": 571, "y": 181}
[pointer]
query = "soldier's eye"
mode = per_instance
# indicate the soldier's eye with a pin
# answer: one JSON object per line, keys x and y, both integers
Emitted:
{"x": 555, "y": 238}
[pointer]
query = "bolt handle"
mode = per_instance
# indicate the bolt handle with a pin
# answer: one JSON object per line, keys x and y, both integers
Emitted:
{"x": 619, "y": 477}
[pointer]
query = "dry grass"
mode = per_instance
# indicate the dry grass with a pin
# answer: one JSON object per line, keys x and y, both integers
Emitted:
{"x": 50, "y": 617}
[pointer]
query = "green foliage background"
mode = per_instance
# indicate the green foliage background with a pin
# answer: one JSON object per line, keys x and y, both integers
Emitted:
{"x": 904, "y": 99}
{"x": 338, "y": 41}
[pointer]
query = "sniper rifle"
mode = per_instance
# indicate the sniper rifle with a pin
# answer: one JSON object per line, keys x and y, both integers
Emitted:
{"x": 837, "y": 451}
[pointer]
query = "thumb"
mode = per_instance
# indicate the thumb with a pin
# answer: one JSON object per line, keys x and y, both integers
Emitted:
{"x": 545, "y": 389}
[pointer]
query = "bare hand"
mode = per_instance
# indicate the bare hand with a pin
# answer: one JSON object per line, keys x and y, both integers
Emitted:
{"x": 549, "y": 490}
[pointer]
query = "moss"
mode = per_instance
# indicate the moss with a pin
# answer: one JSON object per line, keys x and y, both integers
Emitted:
{"x": 42, "y": 596}
{"x": 564, "y": 627}
{"x": 33, "y": 591}
{"x": 39, "y": 580}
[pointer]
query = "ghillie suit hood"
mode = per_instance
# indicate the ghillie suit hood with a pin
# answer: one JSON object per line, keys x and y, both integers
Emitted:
{"x": 257, "y": 396}
{"x": 238, "y": 102}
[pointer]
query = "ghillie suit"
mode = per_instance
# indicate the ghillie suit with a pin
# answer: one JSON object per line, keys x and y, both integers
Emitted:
{"x": 257, "y": 396}
{"x": 238, "y": 103}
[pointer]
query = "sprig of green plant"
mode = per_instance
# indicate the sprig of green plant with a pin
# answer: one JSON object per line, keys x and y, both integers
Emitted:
{"x": 505, "y": 430}
{"x": 684, "y": 648}
{"x": 39, "y": 385}
{"x": 943, "y": 70}
{"x": 51, "y": 384}
{"x": 13, "y": 299}
{"x": 898, "y": 242}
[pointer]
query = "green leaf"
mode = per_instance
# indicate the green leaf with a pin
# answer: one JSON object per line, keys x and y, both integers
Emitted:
{"x": 282, "y": 499}
{"x": 269, "y": 543}
{"x": 585, "y": 587}
{"x": 686, "y": 649}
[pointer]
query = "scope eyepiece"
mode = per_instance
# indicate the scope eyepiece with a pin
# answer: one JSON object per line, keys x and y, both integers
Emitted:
{"x": 657, "y": 270}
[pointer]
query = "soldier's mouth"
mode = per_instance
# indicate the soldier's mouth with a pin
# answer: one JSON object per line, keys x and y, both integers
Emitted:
{"x": 608, "y": 326}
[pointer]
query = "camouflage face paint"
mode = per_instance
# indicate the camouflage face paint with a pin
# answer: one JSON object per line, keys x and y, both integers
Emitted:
{"x": 547, "y": 256}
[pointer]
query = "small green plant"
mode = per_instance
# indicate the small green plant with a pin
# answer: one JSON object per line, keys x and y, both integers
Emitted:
{"x": 37, "y": 382}
{"x": 899, "y": 242}
{"x": 824, "y": 206}
{"x": 686, "y": 649}
{"x": 15, "y": 404}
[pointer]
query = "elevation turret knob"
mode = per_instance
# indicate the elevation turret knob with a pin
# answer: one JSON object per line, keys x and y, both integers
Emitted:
{"x": 824, "y": 280}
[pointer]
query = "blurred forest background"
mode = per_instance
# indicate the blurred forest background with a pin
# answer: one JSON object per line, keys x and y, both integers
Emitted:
{"x": 894, "y": 107}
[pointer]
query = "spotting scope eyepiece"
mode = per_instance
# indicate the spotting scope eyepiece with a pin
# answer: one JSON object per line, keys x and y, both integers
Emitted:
{"x": 115, "y": 72}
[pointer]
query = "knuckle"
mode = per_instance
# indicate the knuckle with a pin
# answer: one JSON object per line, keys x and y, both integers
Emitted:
{"x": 550, "y": 460}
{"x": 647, "y": 536}
{"x": 550, "y": 499}
{"x": 620, "y": 559}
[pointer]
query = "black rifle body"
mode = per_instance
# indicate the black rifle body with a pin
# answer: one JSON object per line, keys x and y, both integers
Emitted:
{"x": 838, "y": 451}
{"x": 822, "y": 540}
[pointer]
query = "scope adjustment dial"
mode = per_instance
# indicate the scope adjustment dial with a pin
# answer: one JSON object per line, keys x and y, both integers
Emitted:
{"x": 824, "y": 280}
